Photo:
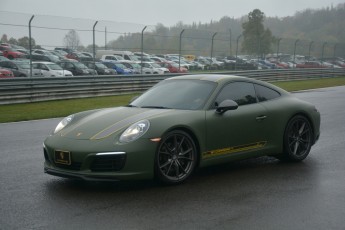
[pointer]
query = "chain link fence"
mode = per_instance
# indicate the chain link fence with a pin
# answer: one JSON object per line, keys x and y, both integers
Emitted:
{"x": 50, "y": 32}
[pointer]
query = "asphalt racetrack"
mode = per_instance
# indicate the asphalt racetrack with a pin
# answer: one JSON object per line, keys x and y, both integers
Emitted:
{"x": 261, "y": 193}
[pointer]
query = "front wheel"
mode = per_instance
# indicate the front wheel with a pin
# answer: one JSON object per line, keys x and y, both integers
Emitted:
{"x": 176, "y": 157}
{"x": 298, "y": 139}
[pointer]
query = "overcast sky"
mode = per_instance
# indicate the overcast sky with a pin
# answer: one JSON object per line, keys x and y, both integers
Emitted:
{"x": 119, "y": 17}
{"x": 167, "y": 12}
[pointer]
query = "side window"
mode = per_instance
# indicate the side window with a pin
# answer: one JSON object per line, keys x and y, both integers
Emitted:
{"x": 4, "y": 64}
{"x": 44, "y": 67}
{"x": 12, "y": 66}
{"x": 243, "y": 93}
{"x": 264, "y": 93}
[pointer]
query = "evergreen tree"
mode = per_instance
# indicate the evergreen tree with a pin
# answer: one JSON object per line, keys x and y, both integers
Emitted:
{"x": 24, "y": 42}
{"x": 256, "y": 39}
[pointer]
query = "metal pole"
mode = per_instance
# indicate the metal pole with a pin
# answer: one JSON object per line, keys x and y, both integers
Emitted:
{"x": 278, "y": 47}
{"x": 212, "y": 45}
{"x": 238, "y": 38}
{"x": 30, "y": 48}
{"x": 294, "y": 52}
{"x": 310, "y": 44}
{"x": 142, "y": 49}
{"x": 179, "y": 52}
{"x": 105, "y": 38}
{"x": 230, "y": 43}
{"x": 334, "y": 50}
{"x": 94, "y": 48}
{"x": 323, "y": 48}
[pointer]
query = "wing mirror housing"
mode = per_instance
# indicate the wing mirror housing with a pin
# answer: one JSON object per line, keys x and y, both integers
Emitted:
{"x": 226, "y": 105}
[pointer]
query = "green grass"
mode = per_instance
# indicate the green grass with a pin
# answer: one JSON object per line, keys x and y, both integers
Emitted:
{"x": 310, "y": 84}
{"x": 62, "y": 108}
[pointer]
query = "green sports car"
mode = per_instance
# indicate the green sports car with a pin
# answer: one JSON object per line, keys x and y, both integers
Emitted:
{"x": 180, "y": 124}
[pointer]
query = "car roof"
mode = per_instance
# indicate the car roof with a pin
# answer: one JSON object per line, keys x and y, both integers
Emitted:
{"x": 223, "y": 79}
{"x": 209, "y": 77}
{"x": 43, "y": 62}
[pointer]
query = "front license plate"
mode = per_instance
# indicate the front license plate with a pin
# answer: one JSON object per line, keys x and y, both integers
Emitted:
{"x": 62, "y": 157}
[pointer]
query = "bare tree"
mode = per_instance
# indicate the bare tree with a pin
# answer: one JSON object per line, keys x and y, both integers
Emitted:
{"x": 71, "y": 40}
{"x": 4, "y": 38}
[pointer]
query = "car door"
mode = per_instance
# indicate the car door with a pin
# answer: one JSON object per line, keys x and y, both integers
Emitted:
{"x": 236, "y": 131}
{"x": 36, "y": 70}
{"x": 45, "y": 70}
{"x": 11, "y": 66}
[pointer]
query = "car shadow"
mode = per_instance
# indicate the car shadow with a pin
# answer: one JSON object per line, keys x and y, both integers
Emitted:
{"x": 246, "y": 172}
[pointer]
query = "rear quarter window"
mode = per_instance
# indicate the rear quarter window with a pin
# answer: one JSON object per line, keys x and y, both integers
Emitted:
{"x": 242, "y": 93}
{"x": 265, "y": 94}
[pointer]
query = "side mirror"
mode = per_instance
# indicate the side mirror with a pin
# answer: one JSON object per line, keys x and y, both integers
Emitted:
{"x": 226, "y": 105}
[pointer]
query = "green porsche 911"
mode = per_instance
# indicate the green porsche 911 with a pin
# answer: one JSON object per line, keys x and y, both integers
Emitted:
{"x": 180, "y": 124}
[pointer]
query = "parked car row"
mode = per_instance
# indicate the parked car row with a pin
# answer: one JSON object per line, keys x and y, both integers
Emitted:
{"x": 112, "y": 62}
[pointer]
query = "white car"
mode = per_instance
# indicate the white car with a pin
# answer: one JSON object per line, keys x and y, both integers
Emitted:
{"x": 136, "y": 67}
{"x": 113, "y": 58}
{"x": 158, "y": 59}
{"x": 44, "y": 52}
{"x": 156, "y": 69}
{"x": 50, "y": 69}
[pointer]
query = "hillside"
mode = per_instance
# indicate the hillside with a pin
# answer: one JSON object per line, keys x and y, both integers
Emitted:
{"x": 317, "y": 25}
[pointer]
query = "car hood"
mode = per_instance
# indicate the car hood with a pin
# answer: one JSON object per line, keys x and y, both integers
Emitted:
{"x": 103, "y": 123}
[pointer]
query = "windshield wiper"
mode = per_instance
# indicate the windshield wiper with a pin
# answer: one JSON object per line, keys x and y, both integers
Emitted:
{"x": 154, "y": 107}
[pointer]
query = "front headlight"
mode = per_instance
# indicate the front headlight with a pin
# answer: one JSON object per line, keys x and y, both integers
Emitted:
{"x": 63, "y": 123}
{"x": 135, "y": 131}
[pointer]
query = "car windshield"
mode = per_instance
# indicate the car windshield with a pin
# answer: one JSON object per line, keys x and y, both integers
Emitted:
{"x": 174, "y": 64}
{"x": 119, "y": 65}
{"x": 133, "y": 57}
{"x": 80, "y": 65}
{"x": 156, "y": 65}
{"x": 54, "y": 67}
{"x": 101, "y": 66}
{"x": 176, "y": 94}
{"x": 135, "y": 65}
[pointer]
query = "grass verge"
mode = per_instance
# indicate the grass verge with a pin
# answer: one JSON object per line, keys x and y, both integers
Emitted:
{"x": 62, "y": 108}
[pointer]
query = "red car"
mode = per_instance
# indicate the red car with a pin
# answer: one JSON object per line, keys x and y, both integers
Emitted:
{"x": 310, "y": 64}
{"x": 78, "y": 56}
{"x": 11, "y": 53}
{"x": 173, "y": 67}
{"x": 4, "y": 73}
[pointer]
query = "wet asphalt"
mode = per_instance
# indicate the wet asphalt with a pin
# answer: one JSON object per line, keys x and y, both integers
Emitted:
{"x": 261, "y": 193}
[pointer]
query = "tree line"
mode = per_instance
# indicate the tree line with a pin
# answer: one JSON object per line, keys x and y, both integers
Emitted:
{"x": 253, "y": 34}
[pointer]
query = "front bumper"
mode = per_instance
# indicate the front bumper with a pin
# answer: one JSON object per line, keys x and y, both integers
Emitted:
{"x": 94, "y": 177}
{"x": 92, "y": 161}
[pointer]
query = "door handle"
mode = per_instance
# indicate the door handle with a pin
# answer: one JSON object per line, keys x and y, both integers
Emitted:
{"x": 261, "y": 118}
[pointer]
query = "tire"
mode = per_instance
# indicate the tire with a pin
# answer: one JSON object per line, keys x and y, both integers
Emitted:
{"x": 298, "y": 139}
{"x": 176, "y": 157}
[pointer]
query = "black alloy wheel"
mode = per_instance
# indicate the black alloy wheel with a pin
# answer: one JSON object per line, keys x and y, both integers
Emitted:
{"x": 298, "y": 138}
{"x": 176, "y": 157}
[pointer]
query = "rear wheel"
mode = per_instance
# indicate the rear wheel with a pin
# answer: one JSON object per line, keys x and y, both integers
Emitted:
{"x": 176, "y": 157}
{"x": 298, "y": 139}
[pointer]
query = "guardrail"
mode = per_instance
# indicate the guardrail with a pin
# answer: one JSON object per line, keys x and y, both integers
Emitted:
{"x": 23, "y": 90}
